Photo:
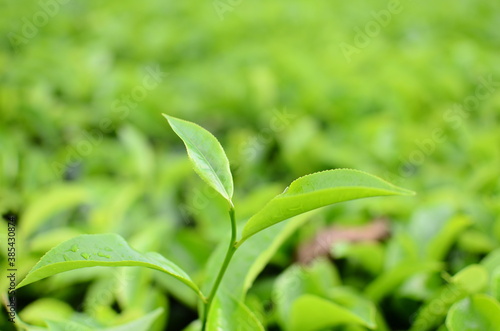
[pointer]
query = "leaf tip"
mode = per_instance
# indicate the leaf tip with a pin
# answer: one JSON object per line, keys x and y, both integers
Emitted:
{"x": 21, "y": 284}
{"x": 167, "y": 117}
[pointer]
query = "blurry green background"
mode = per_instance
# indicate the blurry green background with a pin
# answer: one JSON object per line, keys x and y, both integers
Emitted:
{"x": 289, "y": 88}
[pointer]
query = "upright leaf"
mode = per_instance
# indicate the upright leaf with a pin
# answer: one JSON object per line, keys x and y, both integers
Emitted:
{"x": 100, "y": 250}
{"x": 318, "y": 190}
{"x": 206, "y": 154}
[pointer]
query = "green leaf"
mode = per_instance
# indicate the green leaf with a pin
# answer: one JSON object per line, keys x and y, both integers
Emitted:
{"x": 476, "y": 313}
{"x": 229, "y": 313}
{"x": 49, "y": 202}
{"x": 476, "y": 242}
{"x": 386, "y": 282}
{"x": 206, "y": 154}
{"x": 441, "y": 243}
{"x": 142, "y": 324}
{"x": 100, "y": 250}
{"x": 492, "y": 260}
{"x": 36, "y": 328}
{"x": 310, "y": 312}
{"x": 193, "y": 326}
{"x": 468, "y": 281}
{"x": 46, "y": 308}
{"x": 67, "y": 325}
{"x": 141, "y": 154}
{"x": 318, "y": 190}
{"x": 363, "y": 308}
{"x": 495, "y": 283}
{"x": 472, "y": 279}
{"x": 297, "y": 280}
{"x": 47, "y": 239}
{"x": 369, "y": 255}
{"x": 492, "y": 264}
{"x": 428, "y": 226}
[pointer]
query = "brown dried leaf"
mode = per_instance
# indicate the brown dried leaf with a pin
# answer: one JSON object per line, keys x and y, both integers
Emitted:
{"x": 321, "y": 244}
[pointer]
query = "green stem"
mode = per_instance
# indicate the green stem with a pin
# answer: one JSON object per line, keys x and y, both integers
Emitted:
{"x": 229, "y": 254}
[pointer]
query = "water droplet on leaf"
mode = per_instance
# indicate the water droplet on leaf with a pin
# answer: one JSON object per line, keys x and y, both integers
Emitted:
{"x": 103, "y": 255}
{"x": 74, "y": 248}
{"x": 85, "y": 256}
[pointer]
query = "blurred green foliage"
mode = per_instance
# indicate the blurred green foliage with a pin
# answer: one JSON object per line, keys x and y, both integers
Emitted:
{"x": 84, "y": 148}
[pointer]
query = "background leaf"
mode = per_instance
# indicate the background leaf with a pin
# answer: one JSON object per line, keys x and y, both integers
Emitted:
{"x": 46, "y": 308}
{"x": 318, "y": 278}
{"x": 440, "y": 243}
{"x": 476, "y": 313}
{"x": 229, "y": 313}
{"x": 387, "y": 281}
{"x": 310, "y": 312}
{"x": 141, "y": 324}
{"x": 47, "y": 203}
{"x": 468, "y": 281}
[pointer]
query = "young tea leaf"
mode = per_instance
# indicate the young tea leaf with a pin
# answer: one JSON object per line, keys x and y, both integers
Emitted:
{"x": 318, "y": 190}
{"x": 100, "y": 250}
{"x": 206, "y": 154}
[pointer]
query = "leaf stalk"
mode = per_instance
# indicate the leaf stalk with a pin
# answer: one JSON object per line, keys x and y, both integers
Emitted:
{"x": 229, "y": 254}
